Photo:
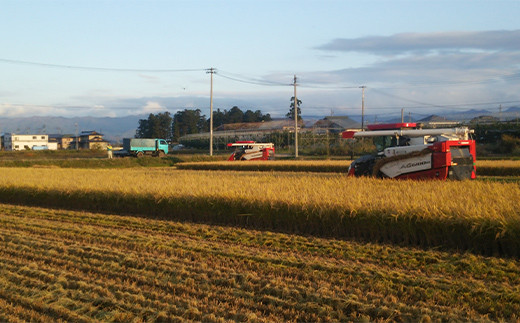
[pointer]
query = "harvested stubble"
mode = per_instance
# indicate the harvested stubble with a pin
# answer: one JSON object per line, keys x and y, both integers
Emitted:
{"x": 60, "y": 265}
{"x": 478, "y": 216}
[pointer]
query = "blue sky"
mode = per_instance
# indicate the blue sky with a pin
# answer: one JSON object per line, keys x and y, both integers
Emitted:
{"x": 114, "y": 58}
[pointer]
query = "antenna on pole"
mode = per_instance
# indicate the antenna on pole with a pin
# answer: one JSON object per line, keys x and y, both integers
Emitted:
{"x": 363, "y": 87}
{"x": 295, "y": 121}
{"x": 211, "y": 71}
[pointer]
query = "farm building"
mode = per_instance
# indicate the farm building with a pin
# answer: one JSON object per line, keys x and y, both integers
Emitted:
{"x": 245, "y": 131}
{"x": 335, "y": 125}
{"x": 279, "y": 132}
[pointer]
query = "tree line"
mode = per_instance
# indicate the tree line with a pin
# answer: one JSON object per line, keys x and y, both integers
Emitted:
{"x": 188, "y": 121}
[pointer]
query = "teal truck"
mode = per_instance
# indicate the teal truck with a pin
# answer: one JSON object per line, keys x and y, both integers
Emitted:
{"x": 139, "y": 147}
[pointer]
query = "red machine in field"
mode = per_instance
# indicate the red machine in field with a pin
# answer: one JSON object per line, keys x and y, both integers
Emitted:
{"x": 404, "y": 151}
{"x": 250, "y": 150}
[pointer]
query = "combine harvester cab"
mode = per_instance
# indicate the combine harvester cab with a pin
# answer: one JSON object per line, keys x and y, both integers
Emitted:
{"x": 404, "y": 151}
{"x": 250, "y": 150}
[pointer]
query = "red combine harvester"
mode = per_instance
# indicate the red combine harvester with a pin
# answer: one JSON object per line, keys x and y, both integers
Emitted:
{"x": 404, "y": 151}
{"x": 250, "y": 150}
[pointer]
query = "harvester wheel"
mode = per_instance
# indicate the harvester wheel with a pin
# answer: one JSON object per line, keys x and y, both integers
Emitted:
{"x": 139, "y": 154}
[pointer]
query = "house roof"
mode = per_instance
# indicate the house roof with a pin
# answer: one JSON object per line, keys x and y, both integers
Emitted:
{"x": 266, "y": 125}
{"x": 90, "y": 133}
{"x": 433, "y": 118}
{"x": 342, "y": 122}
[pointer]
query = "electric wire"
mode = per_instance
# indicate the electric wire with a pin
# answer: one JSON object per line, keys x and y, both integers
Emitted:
{"x": 264, "y": 82}
{"x": 100, "y": 69}
{"x": 247, "y": 80}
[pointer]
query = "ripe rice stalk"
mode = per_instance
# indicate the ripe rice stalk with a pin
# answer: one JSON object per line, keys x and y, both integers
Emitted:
{"x": 338, "y": 166}
{"x": 484, "y": 167}
{"x": 479, "y": 215}
{"x": 498, "y": 167}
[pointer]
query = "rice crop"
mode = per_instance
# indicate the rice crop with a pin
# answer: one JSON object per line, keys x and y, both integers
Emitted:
{"x": 468, "y": 215}
{"x": 92, "y": 162}
{"x": 58, "y": 265}
{"x": 337, "y": 166}
{"x": 484, "y": 167}
{"x": 498, "y": 167}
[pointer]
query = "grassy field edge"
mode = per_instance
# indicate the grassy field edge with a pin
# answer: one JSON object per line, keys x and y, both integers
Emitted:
{"x": 485, "y": 237}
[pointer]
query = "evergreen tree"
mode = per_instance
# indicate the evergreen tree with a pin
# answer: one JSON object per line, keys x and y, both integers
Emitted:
{"x": 188, "y": 122}
{"x": 290, "y": 114}
{"x": 156, "y": 126}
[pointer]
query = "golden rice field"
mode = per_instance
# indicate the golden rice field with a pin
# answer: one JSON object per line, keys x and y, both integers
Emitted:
{"x": 471, "y": 215}
{"x": 71, "y": 266}
{"x": 339, "y": 166}
{"x": 498, "y": 167}
{"x": 484, "y": 167}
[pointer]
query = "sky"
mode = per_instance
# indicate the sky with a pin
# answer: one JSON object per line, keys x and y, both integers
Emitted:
{"x": 118, "y": 58}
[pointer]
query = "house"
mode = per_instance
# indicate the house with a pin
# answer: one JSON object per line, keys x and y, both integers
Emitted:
{"x": 13, "y": 141}
{"x": 62, "y": 141}
{"x": 91, "y": 140}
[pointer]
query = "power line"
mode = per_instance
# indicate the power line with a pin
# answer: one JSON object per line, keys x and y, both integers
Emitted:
{"x": 244, "y": 79}
{"x": 256, "y": 81}
{"x": 99, "y": 69}
{"x": 495, "y": 78}
{"x": 79, "y": 107}
{"x": 403, "y": 99}
{"x": 461, "y": 106}
{"x": 424, "y": 105}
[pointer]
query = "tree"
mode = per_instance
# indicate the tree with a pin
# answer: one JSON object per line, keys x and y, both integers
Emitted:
{"x": 156, "y": 126}
{"x": 235, "y": 115}
{"x": 188, "y": 122}
{"x": 266, "y": 117}
{"x": 290, "y": 114}
{"x": 250, "y": 116}
{"x": 219, "y": 118}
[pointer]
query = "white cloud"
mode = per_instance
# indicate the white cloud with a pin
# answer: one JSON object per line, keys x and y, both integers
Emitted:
{"x": 19, "y": 110}
{"x": 413, "y": 42}
{"x": 152, "y": 107}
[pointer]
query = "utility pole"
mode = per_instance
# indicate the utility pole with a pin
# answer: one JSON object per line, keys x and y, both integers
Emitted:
{"x": 295, "y": 121}
{"x": 211, "y": 71}
{"x": 362, "y": 106}
{"x": 77, "y": 139}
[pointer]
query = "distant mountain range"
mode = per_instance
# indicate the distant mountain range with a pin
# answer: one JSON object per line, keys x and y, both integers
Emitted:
{"x": 114, "y": 129}
{"x": 461, "y": 116}
{"x": 117, "y": 128}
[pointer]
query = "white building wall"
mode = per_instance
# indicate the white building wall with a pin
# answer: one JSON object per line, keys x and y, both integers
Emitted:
{"x": 15, "y": 141}
{"x": 52, "y": 145}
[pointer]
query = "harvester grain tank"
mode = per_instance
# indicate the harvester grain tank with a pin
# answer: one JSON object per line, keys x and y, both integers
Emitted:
{"x": 250, "y": 150}
{"x": 405, "y": 151}
{"x": 139, "y": 147}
